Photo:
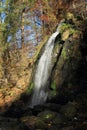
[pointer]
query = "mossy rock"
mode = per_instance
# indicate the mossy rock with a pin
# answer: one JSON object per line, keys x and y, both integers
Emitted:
{"x": 59, "y": 120}
{"x": 53, "y": 85}
{"x": 40, "y": 124}
{"x": 30, "y": 88}
{"x": 47, "y": 116}
{"x": 69, "y": 110}
{"x": 52, "y": 94}
{"x": 67, "y": 62}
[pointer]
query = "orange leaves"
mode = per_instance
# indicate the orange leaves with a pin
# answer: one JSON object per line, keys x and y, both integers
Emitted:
{"x": 44, "y": 18}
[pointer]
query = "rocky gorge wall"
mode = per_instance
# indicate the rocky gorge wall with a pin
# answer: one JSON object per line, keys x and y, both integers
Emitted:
{"x": 67, "y": 56}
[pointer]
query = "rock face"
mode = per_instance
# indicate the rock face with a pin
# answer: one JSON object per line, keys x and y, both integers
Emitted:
{"x": 45, "y": 120}
{"x": 67, "y": 62}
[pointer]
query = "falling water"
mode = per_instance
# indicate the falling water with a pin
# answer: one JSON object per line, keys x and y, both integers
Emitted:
{"x": 43, "y": 71}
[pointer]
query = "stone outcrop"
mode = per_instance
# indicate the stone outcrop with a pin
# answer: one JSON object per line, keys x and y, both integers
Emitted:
{"x": 67, "y": 61}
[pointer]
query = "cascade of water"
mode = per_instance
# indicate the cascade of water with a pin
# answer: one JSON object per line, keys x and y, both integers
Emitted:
{"x": 43, "y": 71}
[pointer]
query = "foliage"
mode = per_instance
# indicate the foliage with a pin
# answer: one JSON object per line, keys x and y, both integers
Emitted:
{"x": 80, "y": 9}
{"x": 64, "y": 54}
{"x": 66, "y": 26}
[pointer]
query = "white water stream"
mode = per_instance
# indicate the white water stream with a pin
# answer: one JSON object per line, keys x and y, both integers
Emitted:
{"x": 43, "y": 72}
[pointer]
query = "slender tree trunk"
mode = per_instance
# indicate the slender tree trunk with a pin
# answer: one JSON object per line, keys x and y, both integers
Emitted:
{"x": 22, "y": 29}
{"x": 36, "y": 31}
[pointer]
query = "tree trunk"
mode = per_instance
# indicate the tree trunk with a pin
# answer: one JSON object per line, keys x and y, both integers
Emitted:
{"x": 22, "y": 29}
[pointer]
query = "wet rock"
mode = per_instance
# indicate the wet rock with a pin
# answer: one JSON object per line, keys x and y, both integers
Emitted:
{"x": 69, "y": 110}
{"x": 46, "y": 120}
{"x": 40, "y": 124}
{"x": 29, "y": 121}
{"x": 52, "y": 107}
{"x": 67, "y": 63}
{"x": 60, "y": 120}
{"x": 37, "y": 109}
{"x": 47, "y": 115}
{"x": 52, "y": 94}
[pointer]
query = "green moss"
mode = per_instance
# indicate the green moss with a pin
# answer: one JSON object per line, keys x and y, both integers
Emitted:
{"x": 66, "y": 26}
{"x": 30, "y": 88}
{"x": 52, "y": 94}
{"x": 69, "y": 110}
{"x": 53, "y": 85}
{"x": 58, "y": 120}
{"x": 72, "y": 31}
{"x": 47, "y": 116}
{"x": 40, "y": 124}
{"x": 64, "y": 54}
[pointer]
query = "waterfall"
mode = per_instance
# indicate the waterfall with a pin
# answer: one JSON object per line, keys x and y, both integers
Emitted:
{"x": 43, "y": 72}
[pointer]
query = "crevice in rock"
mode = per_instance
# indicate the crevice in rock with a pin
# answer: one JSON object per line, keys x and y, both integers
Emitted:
{"x": 57, "y": 59}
